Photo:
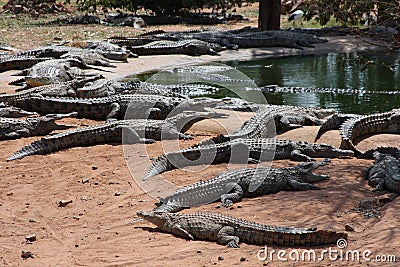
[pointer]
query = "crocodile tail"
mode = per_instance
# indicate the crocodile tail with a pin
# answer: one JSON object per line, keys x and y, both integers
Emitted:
{"x": 85, "y": 136}
{"x": 306, "y": 238}
{"x": 160, "y": 165}
{"x": 39, "y": 147}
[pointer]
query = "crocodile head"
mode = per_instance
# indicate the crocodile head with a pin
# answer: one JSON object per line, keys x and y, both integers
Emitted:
{"x": 325, "y": 150}
{"x": 304, "y": 171}
{"x": 161, "y": 219}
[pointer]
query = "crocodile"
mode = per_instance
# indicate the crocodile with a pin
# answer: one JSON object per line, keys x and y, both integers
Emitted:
{"x": 385, "y": 173}
{"x": 219, "y": 150}
{"x": 334, "y": 122}
{"x": 301, "y": 90}
{"x": 69, "y": 88}
{"x": 89, "y": 57}
{"x": 54, "y": 71}
{"x": 14, "y": 62}
{"x": 122, "y": 19}
{"x": 116, "y": 106}
{"x": 13, "y": 112}
{"x": 16, "y": 128}
{"x": 179, "y": 90}
{"x": 248, "y": 39}
{"x": 282, "y": 117}
{"x": 227, "y": 230}
{"x": 191, "y": 47}
{"x": 232, "y": 186}
{"x": 379, "y": 123}
{"x": 109, "y": 51}
{"x": 137, "y": 130}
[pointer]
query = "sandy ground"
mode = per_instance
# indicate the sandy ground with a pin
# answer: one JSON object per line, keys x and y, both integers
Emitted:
{"x": 94, "y": 229}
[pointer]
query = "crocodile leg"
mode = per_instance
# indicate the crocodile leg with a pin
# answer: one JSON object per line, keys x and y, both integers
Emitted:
{"x": 115, "y": 109}
{"x": 298, "y": 186}
{"x": 226, "y": 237}
{"x": 297, "y": 155}
{"x": 179, "y": 231}
{"x": 235, "y": 195}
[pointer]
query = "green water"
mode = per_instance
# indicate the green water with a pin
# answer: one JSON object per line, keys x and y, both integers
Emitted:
{"x": 347, "y": 71}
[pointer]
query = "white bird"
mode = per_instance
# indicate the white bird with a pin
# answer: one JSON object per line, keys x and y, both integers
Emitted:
{"x": 296, "y": 16}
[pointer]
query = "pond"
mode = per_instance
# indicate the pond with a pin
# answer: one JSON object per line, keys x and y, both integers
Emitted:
{"x": 361, "y": 71}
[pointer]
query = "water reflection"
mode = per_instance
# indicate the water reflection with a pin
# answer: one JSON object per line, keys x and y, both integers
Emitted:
{"x": 365, "y": 71}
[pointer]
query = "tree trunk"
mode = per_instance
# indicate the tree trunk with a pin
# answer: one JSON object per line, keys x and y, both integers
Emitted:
{"x": 269, "y": 17}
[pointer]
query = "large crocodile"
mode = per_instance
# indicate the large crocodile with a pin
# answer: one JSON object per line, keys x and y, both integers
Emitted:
{"x": 55, "y": 71}
{"x": 242, "y": 151}
{"x": 234, "y": 185}
{"x": 284, "y": 117}
{"x": 380, "y": 123}
{"x": 17, "y": 128}
{"x": 136, "y": 131}
{"x": 116, "y": 106}
{"x": 69, "y": 88}
{"x": 301, "y": 90}
{"x": 186, "y": 47}
{"x": 230, "y": 231}
{"x": 109, "y": 51}
{"x": 247, "y": 39}
{"x": 16, "y": 62}
{"x": 385, "y": 173}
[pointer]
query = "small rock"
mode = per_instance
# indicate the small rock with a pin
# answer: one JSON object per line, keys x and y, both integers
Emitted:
{"x": 27, "y": 254}
{"x": 85, "y": 180}
{"x": 199, "y": 251}
{"x": 349, "y": 228}
{"x": 76, "y": 217}
{"x": 1, "y": 204}
{"x": 76, "y": 245}
{"x": 117, "y": 194}
{"x": 31, "y": 237}
{"x": 239, "y": 206}
{"x": 63, "y": 203}
{"x": 242, "y": 258}
{"x": 221, "y": 258}
{"x": 32, "y": 220}
{"x": 94, "y": 167}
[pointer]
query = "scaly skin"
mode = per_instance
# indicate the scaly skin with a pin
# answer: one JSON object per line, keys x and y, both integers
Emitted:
{"x": 7, "y": 111}
{"x": 137, "y": 131}
{"x": 243, "y": 151}
{"x": 14, "y": 62}
{"x": 17, "y": 128}
{"x": 385, "y": 173}
{"x": 352, "y": 130}
{"x": 248, "y": 39}
{"x": 230, "y": 231}
{"x": 234, "y": 185}
{"x": 115, "y": 106}
{"x": 284, "y": 117}
{"x": 301, "y": 90}
{"x": 68, "y": 88}
{"x": 112, "y": 52}
{"x": 187, "y": 47}
{"x": 334, "y": 122}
